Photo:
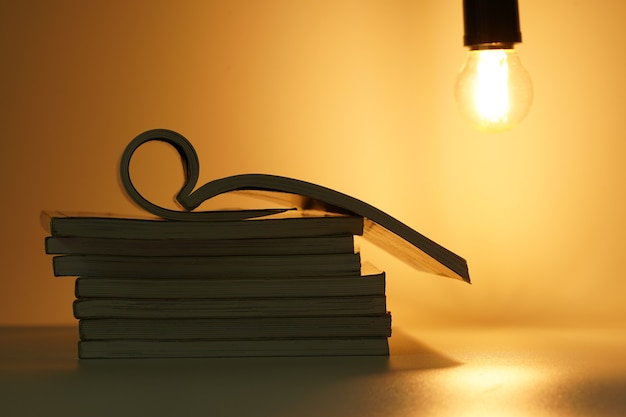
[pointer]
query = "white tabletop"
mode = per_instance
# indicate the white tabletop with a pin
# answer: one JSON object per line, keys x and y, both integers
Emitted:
{"x": 431, "y": 372}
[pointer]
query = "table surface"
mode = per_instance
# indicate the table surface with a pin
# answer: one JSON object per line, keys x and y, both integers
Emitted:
{"x": 430, "y": 372}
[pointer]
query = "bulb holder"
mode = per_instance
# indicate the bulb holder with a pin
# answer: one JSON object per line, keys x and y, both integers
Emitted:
{"x": 491, "y": 24}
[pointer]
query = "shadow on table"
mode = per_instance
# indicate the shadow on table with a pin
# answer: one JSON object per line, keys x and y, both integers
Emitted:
{"x": 42, "y": 364}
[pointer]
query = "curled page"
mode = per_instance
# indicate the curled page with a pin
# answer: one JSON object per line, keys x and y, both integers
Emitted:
{"x": 381, "y": 229}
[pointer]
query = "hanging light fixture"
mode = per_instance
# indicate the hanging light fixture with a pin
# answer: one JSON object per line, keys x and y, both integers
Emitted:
{"x": 493, "y": 90}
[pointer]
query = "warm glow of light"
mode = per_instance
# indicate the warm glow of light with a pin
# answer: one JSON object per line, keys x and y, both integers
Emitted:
{"x": 493, "y": 90}
{"x": 495, "y": 390}
{"x": 491, "y": 95}
{"x": 489, "y": 378}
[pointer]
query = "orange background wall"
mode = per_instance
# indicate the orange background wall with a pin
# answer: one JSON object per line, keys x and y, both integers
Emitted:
{"x": 354, "y": 95}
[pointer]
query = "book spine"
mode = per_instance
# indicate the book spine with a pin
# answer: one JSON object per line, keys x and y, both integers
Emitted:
{"x": 230, "y": 308}
{"x": 207, "y": 267}
{"x": 207, "y": 247}
{"x": 357, "y": 285}
{"x": 126, "y": 228}
{"x": 235, "y": 328}
{"x": 136, "y": 349}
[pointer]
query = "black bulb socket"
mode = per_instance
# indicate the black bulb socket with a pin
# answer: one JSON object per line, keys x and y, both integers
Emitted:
{"x": 491, "y": 24}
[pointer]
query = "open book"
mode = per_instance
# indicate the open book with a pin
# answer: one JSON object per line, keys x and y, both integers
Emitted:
{"x": 380, "y": 228}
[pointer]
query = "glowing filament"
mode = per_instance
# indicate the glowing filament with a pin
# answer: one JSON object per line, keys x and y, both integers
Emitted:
{"x": 491, "y": 91}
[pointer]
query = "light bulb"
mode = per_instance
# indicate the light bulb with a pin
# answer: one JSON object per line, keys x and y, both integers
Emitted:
{"x": 493, "y": 90}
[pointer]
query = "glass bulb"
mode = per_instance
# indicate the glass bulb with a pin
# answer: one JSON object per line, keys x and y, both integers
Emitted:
{"x": 493, "y": 90}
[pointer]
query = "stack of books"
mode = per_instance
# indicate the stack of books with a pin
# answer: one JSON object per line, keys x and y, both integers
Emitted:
{"x": 263, "y": 282}
{"x": 155, "y": 288}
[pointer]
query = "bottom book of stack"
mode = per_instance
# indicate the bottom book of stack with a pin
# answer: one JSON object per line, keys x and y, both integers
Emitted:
{"x": 183, "y": 318}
